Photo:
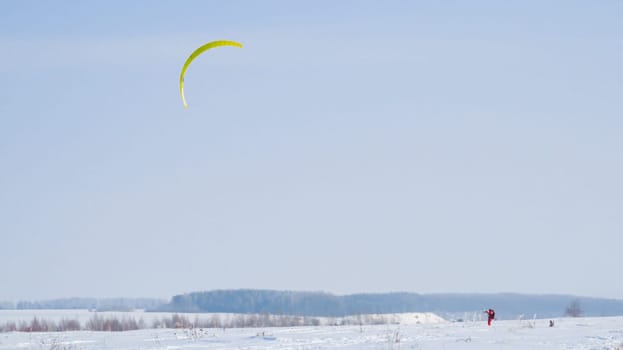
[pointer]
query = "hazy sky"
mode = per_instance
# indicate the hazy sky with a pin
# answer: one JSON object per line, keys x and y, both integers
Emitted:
{"x": 350, "y": 146}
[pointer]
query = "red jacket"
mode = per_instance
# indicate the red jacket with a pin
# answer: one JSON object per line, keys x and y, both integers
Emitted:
{"x": 491, "y": 314}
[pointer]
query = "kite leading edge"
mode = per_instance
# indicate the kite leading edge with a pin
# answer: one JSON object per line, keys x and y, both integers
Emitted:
{"x": 198, "y": 52}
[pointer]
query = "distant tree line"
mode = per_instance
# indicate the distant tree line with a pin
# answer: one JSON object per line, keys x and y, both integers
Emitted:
{"x": 107, "y": 304}
{"x": 96, "y": 323}
{"x": 507, "y": 305}
{"x": 177, "y": 321}
{"x": 291, "y": 303}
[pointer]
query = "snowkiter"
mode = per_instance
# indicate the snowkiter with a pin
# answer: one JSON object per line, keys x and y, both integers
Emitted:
{"x": 490, "y": 316}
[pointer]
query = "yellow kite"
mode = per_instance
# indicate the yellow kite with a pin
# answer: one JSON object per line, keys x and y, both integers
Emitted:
{"x": 198, "y": 52}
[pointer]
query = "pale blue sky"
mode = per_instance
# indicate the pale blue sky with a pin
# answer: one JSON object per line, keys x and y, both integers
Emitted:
{"x": 350, "y": 146}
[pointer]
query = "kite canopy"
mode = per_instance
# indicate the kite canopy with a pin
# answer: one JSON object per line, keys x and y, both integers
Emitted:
{"x": 198, "y": 52}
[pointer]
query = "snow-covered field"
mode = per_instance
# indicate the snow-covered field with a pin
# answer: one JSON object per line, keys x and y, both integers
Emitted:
{"x": 568, "y": 333}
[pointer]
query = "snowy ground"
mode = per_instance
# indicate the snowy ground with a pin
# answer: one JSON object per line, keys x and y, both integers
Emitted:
{"x": 568, "y": 333}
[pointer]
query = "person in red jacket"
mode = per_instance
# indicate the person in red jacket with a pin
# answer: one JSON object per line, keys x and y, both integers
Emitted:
{"x": 490, "y": 316}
